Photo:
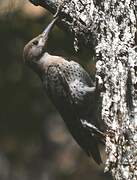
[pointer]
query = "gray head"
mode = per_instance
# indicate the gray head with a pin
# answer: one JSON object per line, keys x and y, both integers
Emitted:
{"x": 35, "y": 48}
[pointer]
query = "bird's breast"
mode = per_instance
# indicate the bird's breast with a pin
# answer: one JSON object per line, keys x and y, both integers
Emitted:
{"x": 52, "y": 82}
{"x": 63, "y": 81}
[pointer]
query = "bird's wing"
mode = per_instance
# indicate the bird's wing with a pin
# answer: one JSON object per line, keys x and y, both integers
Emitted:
{"x": 66, "y": 106}
{"x": 93, "y": 129}
{"x": 85, "y": 77}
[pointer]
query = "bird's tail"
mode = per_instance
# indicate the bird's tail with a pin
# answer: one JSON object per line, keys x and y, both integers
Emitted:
{"x": 93, "y": 151}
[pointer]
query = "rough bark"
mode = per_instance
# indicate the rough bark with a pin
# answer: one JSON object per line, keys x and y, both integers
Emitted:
{"x": 109, "y": 26}
{"x": 116, "y": 62}
{"x": 75, "y": 18}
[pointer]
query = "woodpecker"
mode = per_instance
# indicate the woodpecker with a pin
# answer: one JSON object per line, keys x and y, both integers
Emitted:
{"x": 71, "y": 90}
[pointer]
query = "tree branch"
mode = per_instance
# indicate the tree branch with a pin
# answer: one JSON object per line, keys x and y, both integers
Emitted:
{"x": 74, "y": 18}
{"x": 48, "y": 4}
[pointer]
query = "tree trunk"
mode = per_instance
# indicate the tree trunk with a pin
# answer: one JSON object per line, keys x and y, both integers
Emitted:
{"x": 109, "y": 27}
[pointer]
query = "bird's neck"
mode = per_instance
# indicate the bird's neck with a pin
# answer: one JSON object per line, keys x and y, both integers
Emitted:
{"x": 43, "y": 62}
{"x": 47, "y": 60}
{"x": 39, "y": 65}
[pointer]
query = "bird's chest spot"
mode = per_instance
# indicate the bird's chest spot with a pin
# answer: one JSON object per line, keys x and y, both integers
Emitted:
{"x": 52, "y": 83}
{"x": 76, "y": 88}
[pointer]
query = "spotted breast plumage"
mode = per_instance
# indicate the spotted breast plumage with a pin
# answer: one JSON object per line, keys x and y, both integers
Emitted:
{"x": 70, "y": 88}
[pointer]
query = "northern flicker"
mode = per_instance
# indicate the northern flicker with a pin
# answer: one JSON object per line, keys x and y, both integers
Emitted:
{"x": 70, "y": 88}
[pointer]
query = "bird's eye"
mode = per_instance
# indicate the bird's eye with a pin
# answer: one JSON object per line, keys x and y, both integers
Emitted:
{"x": 35, "y": 42}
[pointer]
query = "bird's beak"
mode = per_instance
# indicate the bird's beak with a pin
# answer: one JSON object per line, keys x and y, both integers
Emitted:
{"x": 49, "y": 28}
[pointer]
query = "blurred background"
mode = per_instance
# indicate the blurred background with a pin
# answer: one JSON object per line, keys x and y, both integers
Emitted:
{"x": 34, "y": 142}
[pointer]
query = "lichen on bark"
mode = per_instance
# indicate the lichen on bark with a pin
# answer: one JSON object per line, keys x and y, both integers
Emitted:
{"x": 116, "y": 60}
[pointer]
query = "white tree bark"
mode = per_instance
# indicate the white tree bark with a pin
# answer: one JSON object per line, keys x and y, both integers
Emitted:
{"x": 109, "y": 26}
{"x": 117, "y": 63}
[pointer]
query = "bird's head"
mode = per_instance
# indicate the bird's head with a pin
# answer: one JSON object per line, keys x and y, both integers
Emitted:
{"x": 35, "y": 48}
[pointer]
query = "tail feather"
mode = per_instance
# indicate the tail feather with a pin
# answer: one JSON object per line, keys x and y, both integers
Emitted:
{"x": 88, "y": 144}
{"x": 93, "y": 151}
